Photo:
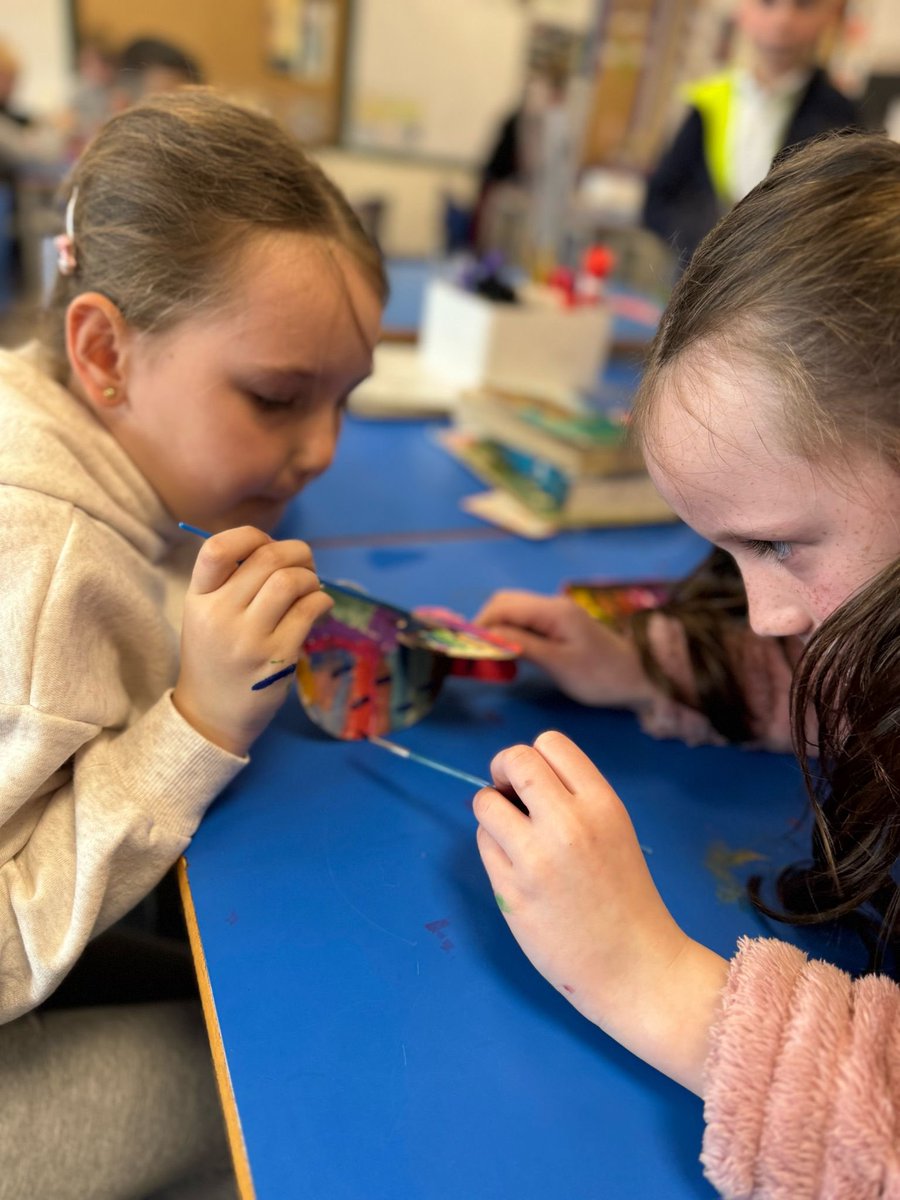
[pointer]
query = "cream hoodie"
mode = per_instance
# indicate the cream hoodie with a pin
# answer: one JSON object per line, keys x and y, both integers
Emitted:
{"x": 102, "y": 783}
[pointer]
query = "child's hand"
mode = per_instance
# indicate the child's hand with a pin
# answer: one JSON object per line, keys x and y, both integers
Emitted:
{"x": 248, "y": 610}
{"x": 573, "y": 885}
{"x": 586, "y": 659}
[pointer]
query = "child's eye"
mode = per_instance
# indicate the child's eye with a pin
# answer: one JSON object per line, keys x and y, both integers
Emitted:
{"x": 779, "y": 551}
{"x": 265, "y": 404}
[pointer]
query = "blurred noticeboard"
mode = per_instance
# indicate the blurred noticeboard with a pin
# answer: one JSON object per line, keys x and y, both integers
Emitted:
{"x": 286, "y": 55}
{"x": 431, "y": 78}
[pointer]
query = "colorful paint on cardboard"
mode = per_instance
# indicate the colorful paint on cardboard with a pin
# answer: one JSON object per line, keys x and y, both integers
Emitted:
{"x": 370, "y": 667}
{"x": 612, "y": 603}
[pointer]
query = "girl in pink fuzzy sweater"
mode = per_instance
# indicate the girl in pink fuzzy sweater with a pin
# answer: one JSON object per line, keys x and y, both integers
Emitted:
{"x": 770, "y": 417}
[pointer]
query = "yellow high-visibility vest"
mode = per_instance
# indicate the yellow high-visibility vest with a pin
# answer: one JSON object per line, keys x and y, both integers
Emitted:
{"x": 713, "y": 98}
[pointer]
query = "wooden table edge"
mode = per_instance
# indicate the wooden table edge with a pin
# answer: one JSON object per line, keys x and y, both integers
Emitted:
{"x": 233, "y": 1129}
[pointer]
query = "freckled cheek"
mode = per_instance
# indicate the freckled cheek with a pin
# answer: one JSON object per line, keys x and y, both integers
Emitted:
{"x": 827, "y": 596}
{"x": 821, "y": 604}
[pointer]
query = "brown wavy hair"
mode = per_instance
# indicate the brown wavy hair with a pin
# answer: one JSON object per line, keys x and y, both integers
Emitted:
{"x": 169, "y": 191}
{"x": 849, "y": 676}
{"x": 801, "y": 280}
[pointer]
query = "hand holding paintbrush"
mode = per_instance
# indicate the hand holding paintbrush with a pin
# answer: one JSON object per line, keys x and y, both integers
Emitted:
{"x": 443, "y": 768}
{"x": 249, "y": 607}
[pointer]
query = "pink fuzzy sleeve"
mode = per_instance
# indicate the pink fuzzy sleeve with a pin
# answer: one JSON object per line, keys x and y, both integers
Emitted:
{"x": 761, "y": 668}
{"x": 803, "y": 1081}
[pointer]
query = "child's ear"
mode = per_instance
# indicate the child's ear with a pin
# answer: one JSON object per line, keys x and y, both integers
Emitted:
{"x": 98, "y": 339}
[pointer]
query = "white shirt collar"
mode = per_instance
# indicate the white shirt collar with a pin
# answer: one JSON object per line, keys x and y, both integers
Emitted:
{"x": 783, "y": 88}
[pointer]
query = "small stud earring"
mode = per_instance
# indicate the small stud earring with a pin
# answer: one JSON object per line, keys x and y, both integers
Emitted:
{"x": 109, "y": 392}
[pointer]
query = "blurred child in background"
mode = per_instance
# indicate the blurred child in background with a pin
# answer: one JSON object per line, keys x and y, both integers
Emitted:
{"x": 738, "y": 121}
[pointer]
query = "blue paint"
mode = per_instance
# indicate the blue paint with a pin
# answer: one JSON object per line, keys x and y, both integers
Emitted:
{"x": 394, "y": 556}
{"x": 269, "y": 680}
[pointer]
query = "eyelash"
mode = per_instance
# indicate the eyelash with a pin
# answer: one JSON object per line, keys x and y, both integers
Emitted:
{"x": 269, "y": 406}
{"x": 778, "y": 551}
{"x": 272, "y": 406}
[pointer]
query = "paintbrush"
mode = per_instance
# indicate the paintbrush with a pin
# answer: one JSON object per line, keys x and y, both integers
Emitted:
{"x": 338, "y": 587}
{"x": 405, "y": 621}
{"x": 403, "y": 752}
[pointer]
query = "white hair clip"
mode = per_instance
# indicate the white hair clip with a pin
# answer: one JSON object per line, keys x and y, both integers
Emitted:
{"x": 65, "y": 243}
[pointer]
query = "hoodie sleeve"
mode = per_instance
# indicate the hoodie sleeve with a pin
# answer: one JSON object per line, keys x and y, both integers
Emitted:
{"x": 803, "y": 1081}
{"x": 103, "y": 781}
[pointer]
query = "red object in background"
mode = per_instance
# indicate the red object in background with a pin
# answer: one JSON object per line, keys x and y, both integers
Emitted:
{"x": 563, "y": 280}
{"x": 596, "y": 264}
{"x": 598, "y": 261}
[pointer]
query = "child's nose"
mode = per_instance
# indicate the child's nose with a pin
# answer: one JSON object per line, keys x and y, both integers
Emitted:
{"x": 775, "y": 611}
{"x": 315, "y": 447}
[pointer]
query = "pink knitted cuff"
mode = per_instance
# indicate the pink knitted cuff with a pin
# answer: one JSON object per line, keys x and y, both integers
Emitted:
{"x": 744, "y": 1047}
{"x": 802, "y": 1081}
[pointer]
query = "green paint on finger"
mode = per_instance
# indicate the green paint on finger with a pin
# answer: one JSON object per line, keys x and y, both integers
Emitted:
{"x": 501, "y": 903}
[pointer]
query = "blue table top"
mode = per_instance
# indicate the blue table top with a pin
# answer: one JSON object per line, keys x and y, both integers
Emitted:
{"x": 387, "y": 477}
{"x": 461, "y": 574}
{"x": 385, "y": 1037}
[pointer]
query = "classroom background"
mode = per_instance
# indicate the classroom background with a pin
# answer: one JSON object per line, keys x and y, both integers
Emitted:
{"x": 347, "y": 947}
{"x": 404, "y": 104}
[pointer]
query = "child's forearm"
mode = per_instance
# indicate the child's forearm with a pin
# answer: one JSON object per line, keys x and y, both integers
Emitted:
{"x": 670, "y": 1024}
{"x": 580, "y": 900}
